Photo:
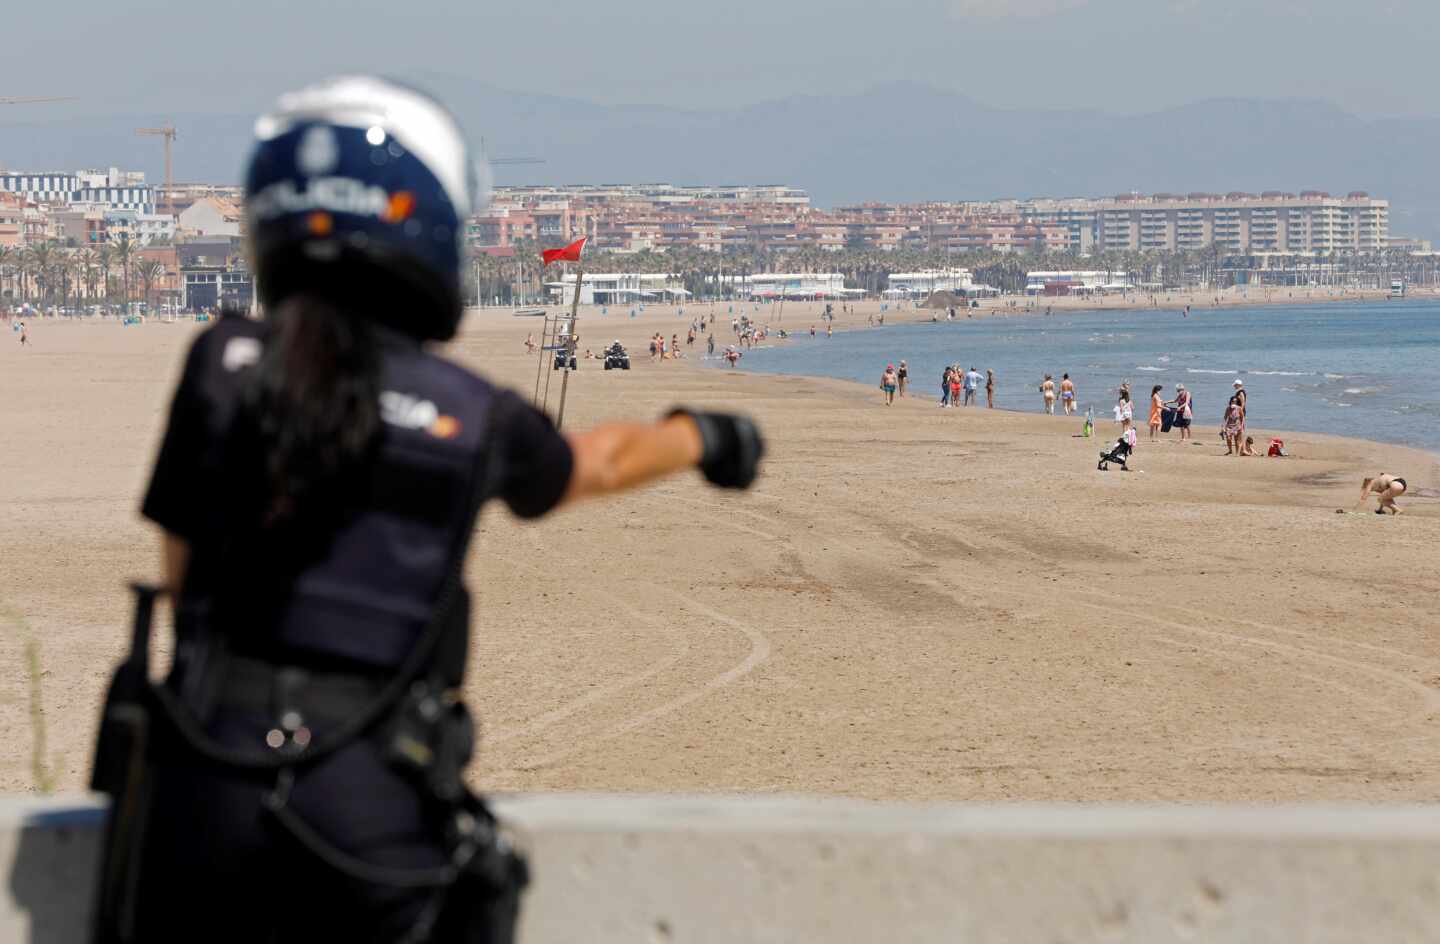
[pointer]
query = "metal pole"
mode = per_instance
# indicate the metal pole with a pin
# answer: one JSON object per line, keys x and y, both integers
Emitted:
{"x": 570, "y": 345}
{"x": 544, "y": 332}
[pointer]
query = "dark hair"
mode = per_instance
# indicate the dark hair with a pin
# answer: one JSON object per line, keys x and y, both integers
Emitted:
{"x": 315, "y": 404}
{"x": 1156, "y": 389}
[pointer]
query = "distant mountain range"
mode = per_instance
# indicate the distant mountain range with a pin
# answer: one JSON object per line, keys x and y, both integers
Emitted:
{"x": 898, "y": 142}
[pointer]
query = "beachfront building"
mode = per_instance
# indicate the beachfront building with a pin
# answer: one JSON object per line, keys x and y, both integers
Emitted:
{"x": 1311, "y": 221}
{"x": 924, "y": 284}
{"x": 1076, "y": 282}
{"x": 773, "y": 285}
{"x": 619, "y": 288}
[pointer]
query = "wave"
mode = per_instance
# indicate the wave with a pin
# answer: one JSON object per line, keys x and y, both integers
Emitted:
{"x": 1201, "y": 370}
{"x": 1337, "y": 376}
{"x": 1281, "y": 373}
{"x": 1153, "y": 370}
{"x": 1361, "y": 391}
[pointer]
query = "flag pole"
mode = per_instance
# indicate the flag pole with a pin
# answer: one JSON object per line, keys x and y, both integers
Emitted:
{"x": 570, "y": 343}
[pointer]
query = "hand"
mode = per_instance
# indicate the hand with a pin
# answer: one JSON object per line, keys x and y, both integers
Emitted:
{"x": 731, "y": 447}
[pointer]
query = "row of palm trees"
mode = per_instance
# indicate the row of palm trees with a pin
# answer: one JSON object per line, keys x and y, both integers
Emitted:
{"x": 522, "y": 277}
{"x": 51, "y": 274}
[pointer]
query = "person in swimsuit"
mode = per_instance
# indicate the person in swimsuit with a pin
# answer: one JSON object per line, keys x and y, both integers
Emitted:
{"x": 1232, "y": 427}
{"x": 989, "y": 389}
{"x": 955, "y": 385}
{"x": 1386, "y": 488}
{"x": 903, "y": 376}
{"x": 1047, "y": 390}
{"x": 1156, "y": 405}
{"x": 888, "y": 383}
{"x": 530, "y": 343}
{"x": 1067, "y": 394}
{"x": 1243, "y": 399}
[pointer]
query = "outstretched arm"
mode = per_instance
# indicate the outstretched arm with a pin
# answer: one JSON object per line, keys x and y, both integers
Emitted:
{"x": 620, "y": 456}
{"x": 616, "y": 457}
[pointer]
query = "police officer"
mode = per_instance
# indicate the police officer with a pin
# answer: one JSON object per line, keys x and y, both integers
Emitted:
{"x": 317, "y": 486}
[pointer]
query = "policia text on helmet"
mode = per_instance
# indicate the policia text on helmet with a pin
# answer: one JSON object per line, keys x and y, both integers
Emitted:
{"x": 298, "y": 774}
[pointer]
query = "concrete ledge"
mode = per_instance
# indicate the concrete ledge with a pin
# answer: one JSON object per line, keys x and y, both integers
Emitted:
{"x": 702, "y": 869}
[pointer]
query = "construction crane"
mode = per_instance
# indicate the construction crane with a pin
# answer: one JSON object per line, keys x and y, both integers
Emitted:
{"x": 33, "y": 101}
{"x": 168, "y": 133}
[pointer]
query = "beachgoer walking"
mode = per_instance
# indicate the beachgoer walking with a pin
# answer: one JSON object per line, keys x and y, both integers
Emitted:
{"x": 888, "y": 382}
{"x": 1244, "y": 400}
{"x": 530, "y": 343}
{"x": 903, "y": 375}
{"x": 710, "y": 344}
{"x": 24, "y": 335}
{"x": 1047, "y": 390}
{"x": 1157, "y": 406}
{"x": 1067, "y": 394}
{"x": 972, "y": 384}
{"x": 1231, "y": 428}
{"x": 989, "y": 389}
{"x": 1124, "y": 409}
{"x": 1386, "y": 488}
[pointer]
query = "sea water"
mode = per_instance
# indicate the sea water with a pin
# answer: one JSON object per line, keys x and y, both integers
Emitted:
{"x": 1368, "y": 370}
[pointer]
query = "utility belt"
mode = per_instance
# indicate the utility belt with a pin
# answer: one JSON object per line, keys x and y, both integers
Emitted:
{"x": 419, "y": 725}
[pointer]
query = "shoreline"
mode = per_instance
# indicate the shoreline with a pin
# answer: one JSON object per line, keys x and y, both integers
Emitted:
{"x": 1210, "y": 429}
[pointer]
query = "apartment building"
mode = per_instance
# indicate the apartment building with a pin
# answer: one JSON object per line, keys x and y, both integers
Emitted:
{"x": 1311, "y": 221}
{"x": 112, "y": 190}
{"x": 12, "y": 220}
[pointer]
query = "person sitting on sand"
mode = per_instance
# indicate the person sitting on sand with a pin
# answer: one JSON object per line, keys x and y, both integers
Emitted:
{"x": 1047, "y": 390}
{"x": 1386, "y": 488}
{"x": 888, "y": 382}
{"x": 1249, "y": 448}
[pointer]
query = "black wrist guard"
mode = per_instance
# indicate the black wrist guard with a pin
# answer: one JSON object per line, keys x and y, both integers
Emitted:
{"x": 731, "y": 447}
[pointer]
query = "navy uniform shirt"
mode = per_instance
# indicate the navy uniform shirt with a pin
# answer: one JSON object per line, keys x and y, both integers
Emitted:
{"x": 361, "y": 588}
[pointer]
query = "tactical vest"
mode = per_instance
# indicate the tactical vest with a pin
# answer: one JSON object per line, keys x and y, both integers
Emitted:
{"x": 367, "y": 592}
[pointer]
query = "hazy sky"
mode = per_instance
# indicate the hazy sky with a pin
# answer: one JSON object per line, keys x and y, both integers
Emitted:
{"x": 1373, "y": 57}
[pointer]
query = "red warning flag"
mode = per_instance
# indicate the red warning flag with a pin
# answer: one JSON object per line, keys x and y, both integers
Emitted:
{"x": 570, "y": 253}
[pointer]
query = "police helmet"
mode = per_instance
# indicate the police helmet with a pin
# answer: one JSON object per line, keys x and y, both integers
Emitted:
{"x": 359, "y": 188}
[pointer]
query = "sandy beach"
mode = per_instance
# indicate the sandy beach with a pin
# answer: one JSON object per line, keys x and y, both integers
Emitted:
{"x": 912, "y": 604}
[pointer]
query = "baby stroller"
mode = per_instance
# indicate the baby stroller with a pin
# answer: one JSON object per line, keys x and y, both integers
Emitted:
{"x": 1118, "y": 453}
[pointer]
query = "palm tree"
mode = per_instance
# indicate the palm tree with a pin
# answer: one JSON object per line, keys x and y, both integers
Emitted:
{"x": 42, "y": 258}
{"x": 105, "y": 261}
{"x": 7, "y": 266}
{"x": 149, "y": 272}
{"x": 87, "y": 260}
{"x": 124, "y": 252}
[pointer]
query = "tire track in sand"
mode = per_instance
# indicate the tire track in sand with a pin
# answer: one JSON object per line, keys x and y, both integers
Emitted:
{"x": 554, "y": 716}
{"x": 759, "y": 652}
